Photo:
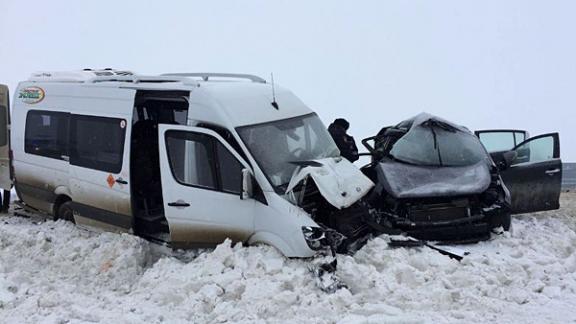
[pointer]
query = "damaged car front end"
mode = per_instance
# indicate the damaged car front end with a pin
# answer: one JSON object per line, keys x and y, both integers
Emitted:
{"x": 435, "y": 181}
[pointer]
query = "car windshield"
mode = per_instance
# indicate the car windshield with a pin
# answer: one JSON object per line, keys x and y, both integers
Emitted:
{"x": 435, "y": 143}
{"x": 277, "y": 145}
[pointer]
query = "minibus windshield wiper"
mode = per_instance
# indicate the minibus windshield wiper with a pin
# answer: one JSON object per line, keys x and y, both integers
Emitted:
{"x": 306, "y": 163}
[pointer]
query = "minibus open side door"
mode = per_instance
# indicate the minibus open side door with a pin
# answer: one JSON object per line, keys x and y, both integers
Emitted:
{"x": 201, "y": 187}
{"x": 5, "y": 172}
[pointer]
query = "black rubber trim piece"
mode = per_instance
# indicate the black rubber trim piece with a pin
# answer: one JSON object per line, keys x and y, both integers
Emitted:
{"x": 102, "y": 215}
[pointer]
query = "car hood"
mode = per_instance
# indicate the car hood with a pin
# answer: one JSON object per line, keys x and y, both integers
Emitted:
{"x": 338, "y": 180}
{"x": 402, "y": 180}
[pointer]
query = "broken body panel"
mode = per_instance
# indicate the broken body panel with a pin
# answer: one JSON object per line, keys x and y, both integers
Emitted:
{"x": 402, "y": 180}
{"x": 337, "y": 179}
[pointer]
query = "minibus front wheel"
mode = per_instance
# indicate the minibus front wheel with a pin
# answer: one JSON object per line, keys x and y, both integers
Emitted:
{"x": 65, "y": 212}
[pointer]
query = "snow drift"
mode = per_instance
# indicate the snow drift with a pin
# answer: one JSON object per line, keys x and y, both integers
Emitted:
{"x": 54, "y": 272}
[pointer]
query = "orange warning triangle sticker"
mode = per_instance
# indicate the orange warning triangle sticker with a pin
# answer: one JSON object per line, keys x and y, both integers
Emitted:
{"x": 110, "y": 181}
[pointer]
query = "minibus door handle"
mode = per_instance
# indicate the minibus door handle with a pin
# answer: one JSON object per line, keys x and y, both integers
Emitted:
{"x": 121, "y": 181}
{"x": 179, "y": 203}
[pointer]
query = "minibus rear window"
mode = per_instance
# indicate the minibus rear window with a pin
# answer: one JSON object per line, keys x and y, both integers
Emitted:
{"x": 46, "y": 134}
{"x": 97, "y": 142}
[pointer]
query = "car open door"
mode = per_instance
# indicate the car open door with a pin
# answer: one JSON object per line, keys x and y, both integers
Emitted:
{"x": 534, "y": 176}
{"x": 5, "y": 177}
{"x": 201, "y": 186}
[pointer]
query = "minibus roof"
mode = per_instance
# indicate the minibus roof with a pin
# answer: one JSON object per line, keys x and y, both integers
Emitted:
{"x": 245, "y": 99}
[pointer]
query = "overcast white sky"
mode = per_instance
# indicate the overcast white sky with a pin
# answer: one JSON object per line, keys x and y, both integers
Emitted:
{"x": 487, "y": 64}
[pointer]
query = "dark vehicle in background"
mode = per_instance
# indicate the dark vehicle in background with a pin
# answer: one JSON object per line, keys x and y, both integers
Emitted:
{"x": 436, "y": 180}
{"x": 568, "y": 176}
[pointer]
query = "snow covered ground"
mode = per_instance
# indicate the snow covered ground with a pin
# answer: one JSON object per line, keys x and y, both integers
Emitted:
{"x": 53, "y": 272}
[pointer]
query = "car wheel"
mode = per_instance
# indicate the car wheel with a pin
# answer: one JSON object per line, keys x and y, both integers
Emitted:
{"x": 6, "y": 201}
{"x": 66, "y": 212}
{"x": 506, "y": 221}
{"x": 503, "y": 220}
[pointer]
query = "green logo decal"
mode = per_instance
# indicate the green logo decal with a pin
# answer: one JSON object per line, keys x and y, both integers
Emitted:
{"x": 31, "y": 95}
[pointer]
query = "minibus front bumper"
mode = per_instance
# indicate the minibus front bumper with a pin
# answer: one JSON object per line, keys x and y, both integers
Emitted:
{"x": 320, "y": 238}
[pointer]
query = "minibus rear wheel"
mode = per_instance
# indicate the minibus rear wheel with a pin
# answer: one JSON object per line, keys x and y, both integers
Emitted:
{"x": 66, "y": 212}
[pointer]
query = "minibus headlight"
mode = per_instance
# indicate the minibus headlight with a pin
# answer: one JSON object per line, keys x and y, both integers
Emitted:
{"x": 315, "y": 237}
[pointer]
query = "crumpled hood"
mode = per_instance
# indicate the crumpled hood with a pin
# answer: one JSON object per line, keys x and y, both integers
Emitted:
{"x": 403, "y": 180}
{"x": 422, "y": 118}
{"x": 338, "y": 180}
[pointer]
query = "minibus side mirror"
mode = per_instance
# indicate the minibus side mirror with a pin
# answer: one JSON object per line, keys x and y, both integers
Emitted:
{"x": 247, "y": 185}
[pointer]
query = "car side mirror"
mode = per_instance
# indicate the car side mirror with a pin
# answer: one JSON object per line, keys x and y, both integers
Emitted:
{"x": 247, "y": 190}
{"x": 508, "y": 158}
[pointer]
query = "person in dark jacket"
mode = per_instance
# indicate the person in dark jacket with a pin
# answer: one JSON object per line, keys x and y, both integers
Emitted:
{"x": 345, "y": 142}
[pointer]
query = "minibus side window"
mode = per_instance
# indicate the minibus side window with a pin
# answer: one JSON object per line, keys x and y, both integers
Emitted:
{"x": 202, "y": 161}
{"x": 97, "y": 142}
{"x": 230, "y": 169}
{"x": 46, "y": 134}
{"x": 227, "y": 136}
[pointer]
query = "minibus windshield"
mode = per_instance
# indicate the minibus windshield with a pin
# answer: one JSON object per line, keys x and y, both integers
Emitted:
{"x": 275, "y": 145}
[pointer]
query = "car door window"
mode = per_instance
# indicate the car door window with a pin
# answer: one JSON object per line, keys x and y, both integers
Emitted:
{"x": 535, "y": 150}
{"x": 519, "y": 137}
{"x": 498, "y": 141}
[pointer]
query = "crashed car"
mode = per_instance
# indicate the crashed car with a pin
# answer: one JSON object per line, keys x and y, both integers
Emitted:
{"x": 435, "y": 180}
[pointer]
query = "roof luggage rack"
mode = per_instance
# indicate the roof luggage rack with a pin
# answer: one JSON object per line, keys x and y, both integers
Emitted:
{"x": 207, "y": 76}
{"x": 133, "y": 79}
{"x": 110, "y": 75}
{"x": 78, "y": 76}
{"x": 94, "y": 76}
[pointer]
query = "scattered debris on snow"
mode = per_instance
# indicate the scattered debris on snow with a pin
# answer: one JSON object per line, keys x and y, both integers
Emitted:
{"x": 54, "y": 272}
